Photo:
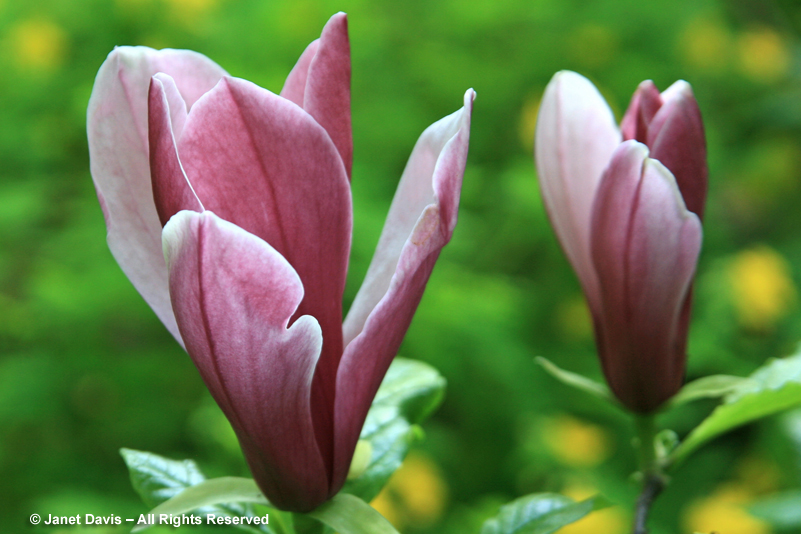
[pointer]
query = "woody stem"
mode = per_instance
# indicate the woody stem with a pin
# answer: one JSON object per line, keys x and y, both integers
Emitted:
{"x": 653, "y": 479}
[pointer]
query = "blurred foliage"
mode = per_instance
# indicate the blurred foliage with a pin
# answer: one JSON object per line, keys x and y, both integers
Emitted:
{"x": 86, "y": 368}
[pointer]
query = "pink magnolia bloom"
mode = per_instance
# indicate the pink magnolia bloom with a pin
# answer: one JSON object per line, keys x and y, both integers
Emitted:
{"x": 626, "y": 205}
{"x": 246, "y": 194}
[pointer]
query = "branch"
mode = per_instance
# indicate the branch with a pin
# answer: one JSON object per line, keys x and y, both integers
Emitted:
{"x": 654, "y": 484}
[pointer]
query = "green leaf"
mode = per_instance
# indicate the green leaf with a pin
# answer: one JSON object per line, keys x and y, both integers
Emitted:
{"x": 159, "y": 481}
{"x": 410, "y": 391}
{"x": 414, "y": 387}
{"x": 540, "y": 513}
{"x": 708, "y": 387}
{"x": 774, "y": 387}
{"x": 211, "y": 492}
{"x": 596, "y": 389}
{"x": 782, "y": 511}
{"x": 348, "y": 514}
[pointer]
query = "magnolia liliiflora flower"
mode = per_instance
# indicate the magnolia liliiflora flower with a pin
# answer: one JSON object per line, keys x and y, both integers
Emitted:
{"x": 246, "y": 195}
{"x": 626, "y": 205}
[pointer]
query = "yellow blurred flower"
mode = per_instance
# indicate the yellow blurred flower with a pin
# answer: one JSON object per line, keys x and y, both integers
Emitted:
{"x": 576, "y": 443}
{"x": 705, "y": 44}
{"x": 763, "y": 54}
{"x": 613, "y": 520}
{"x": 415, "y": 495}
{"x": 762, "y": 290}
{"x": 386, "y": 506}
{"x": 38, "y": 44}
{"x": 723, "y": 512}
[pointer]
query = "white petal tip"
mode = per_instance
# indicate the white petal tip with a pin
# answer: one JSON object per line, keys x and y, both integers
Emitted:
{"x": 469, "y": 97}
{"x": 679, "y": 88}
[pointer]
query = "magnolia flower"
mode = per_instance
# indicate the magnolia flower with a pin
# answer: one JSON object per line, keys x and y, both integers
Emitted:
{"x": 246, "y": 195}
{"x": 626, "y": 206}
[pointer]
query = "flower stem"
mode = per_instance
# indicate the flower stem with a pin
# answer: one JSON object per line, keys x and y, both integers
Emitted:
{"x": 646, "y": 432}
{"x": 653, "y": 478}
{"x": 652, "y": 487}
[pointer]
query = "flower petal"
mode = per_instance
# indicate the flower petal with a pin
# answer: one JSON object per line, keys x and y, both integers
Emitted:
{"x": 172, "y": 191}
{"x": 644, "y": 105}
{"x": 261, "y": 162}
{"x": 233, "y": 296}
{"x": 295, "y": 84}
{"x": 416, "y": 190}
{"x": 368, "y": 355}
{"x": 118, "y": 153}
{"x": 576, "y": 136}
{"x": 645, "y": 245}
{"x": 320, "y": 84}
{"x": 676, "y": 138}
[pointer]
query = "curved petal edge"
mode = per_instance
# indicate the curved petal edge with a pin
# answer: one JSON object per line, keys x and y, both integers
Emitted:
{"x": 233, "y": 296}
{"x": 575, "y": 138}
{"x": 432, "y": 175}
{"x": 368, "y": 356}
{"x": 119, "y": 159}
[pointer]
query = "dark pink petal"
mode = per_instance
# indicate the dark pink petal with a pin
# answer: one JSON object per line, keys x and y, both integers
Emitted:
{"x": 261, "y": 162}
{"x": 644, "y": 105}
{"x": 369, "y": 354}
{"x": 295, "y": 84}
{"x": 327, "y": 93}
{"x": 416, "y": 190}
{"x": 645, "y": 245}
{"x": 118, "y": 153}
{"x": 172, "y": 191}
{"x": 233, "y": 296}
{"x": 576, "y": 136}
{"x": 676, "y": 138}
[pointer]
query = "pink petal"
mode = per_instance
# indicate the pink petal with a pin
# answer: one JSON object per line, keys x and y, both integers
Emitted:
{"x": 327, "y": 93}
{"x": 167, "y": 118}
{"x": 576, "y": 136}
{"x": 233, "y": 296}
{"x": 369, "y": 354}
{"x": 118, "y": 153}
{"x": 416, "y": 190}
{"x": 676, "y": 138}
{"x": 644, "y": 105}
{"x": 320, "y": 84}
{"x": 295, "y": 84}
{"x": 645, "y": 246}
{"x": 261, "y": 162}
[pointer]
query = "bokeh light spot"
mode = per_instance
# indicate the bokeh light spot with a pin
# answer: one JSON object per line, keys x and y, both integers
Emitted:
{"x": 705, "y": 44}
{"x": 763, "y": 55}
{"x": 762, "y": 290}
{"x": 416, "y": 495}
{"x": 576, "y": 443}
{"x": 38, "y": 44}
{"x": 612, "y": 520}
{"x": 723, "y": 511}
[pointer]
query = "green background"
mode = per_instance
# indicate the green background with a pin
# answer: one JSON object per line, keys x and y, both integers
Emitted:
{"x": 86, "y": 368}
